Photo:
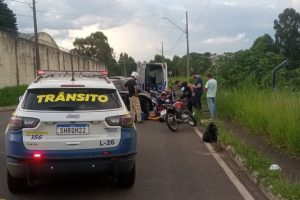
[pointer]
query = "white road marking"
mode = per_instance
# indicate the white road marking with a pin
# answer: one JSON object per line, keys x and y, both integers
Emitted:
{"x": 239, "y": 186}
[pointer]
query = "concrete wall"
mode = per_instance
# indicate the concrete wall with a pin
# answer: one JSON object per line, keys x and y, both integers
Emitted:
{"x": 17, "y": 60}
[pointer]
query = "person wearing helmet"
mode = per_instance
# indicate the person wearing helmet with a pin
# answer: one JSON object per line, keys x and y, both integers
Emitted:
{"x": 133, "y": 90}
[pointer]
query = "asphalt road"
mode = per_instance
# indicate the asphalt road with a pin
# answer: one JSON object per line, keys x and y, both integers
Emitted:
{"x": 169, "y": 166}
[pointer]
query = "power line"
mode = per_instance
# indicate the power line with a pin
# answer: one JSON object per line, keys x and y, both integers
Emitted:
{"x": 128, "y": 21}
{"x": 16, "y": 15}
{"x": 54, "y": 12}
{"x": 23, "y": 15}
{"x": 107, "y": 18}
{"x": 175, "y": 44}
{"x": 23, "y": 2}
{"x": 203, "y": 12}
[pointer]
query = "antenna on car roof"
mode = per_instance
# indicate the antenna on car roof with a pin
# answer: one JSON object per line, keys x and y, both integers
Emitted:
{"x": 73, "y": 79}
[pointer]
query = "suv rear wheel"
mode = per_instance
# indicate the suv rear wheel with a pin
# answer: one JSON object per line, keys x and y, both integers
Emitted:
{"x": 145, "y": 105}
{"x": 16, "y": 185}
{"x": 127, "y": 179}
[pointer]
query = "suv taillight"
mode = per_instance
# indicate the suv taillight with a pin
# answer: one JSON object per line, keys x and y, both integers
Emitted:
{"x": 125, "y": 121}
{"x": 17, "y": 123}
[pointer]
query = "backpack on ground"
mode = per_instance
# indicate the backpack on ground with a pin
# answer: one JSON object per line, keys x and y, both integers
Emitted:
{"x": 211, "y": 133}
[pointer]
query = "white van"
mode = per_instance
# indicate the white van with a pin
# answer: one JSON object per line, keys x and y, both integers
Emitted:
{"x": 153, "y": 76}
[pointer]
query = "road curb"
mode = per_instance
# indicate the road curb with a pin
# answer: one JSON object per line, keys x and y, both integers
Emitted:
{"x": 7, "y": 108}
{"x": 253, "y": 176}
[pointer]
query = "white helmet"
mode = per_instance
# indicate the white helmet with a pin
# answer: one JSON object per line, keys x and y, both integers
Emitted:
{"x": 135, "y": 75}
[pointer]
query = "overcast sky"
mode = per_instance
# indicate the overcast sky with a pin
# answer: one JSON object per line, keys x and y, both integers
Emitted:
{"x": 138, "y": 28}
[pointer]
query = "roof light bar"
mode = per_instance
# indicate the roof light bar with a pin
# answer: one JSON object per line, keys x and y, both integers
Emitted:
{"x": 59, "y": 73}
{"x": 41, "y": 72}
{"x": 69, "y": 73}
{"x": 104, "y": 72}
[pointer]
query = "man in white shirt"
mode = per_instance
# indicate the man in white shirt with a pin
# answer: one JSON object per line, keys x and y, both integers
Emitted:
{"x": 211, "y": 91}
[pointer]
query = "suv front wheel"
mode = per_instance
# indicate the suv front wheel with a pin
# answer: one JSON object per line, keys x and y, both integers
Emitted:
{"x": 127, "y": 179}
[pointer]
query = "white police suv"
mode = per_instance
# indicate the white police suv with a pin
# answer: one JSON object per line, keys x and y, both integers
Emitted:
{"x": 69, "y": 123}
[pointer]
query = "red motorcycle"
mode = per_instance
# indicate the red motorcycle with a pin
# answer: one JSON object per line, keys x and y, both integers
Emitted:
{"x": 178, "y": 114}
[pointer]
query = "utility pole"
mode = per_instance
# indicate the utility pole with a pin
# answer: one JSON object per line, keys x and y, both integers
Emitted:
{"x": 36, "y": 39}
{"x": 162, "y": 52}
{"x": 187, "y": 47}
{"x": 186, "y": 31}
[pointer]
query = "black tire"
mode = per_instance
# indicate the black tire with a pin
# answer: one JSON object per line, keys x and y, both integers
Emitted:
{"x": 192, "y": 121}
{"x": 145, "y": 105}
{"x": 127, "y": 179}
{"x": 171, "y": 122}
{"x": 16, "y": 185}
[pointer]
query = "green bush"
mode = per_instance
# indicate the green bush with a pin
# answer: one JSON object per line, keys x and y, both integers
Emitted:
{"x": 264, "y": 112}
{"x": 10, "y": 95}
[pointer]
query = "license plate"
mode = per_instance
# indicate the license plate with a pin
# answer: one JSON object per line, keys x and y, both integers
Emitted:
{"x": 163, "y": 112}
{"x": 72, "y": 129}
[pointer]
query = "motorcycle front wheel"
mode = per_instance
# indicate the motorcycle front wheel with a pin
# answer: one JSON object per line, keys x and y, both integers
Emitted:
{"x": 172, "y": 122}
{"x": 191, "y": 119}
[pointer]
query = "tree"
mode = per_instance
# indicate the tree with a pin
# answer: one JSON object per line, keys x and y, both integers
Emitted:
{"x": 263, "y": 45}
{"x": 157, "y": 59}
{"x": 8, "y": 20}
{"x": 96, "y": 46}
{"x": 174, "y": 65}
{"x": 287, "y": 36}
{"x": 126, "y": 64}
{"x": 200, "y": 63}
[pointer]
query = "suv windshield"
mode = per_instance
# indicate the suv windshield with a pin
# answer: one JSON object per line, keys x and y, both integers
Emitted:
{"x": 71, "y": 99}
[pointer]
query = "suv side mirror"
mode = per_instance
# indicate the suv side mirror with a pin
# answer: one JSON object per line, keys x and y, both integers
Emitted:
{"x": 20, "y": 98}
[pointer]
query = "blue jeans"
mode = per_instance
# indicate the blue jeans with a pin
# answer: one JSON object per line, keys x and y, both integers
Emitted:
{"x": 197, "y": 101}
{"x": 211, "y": 101}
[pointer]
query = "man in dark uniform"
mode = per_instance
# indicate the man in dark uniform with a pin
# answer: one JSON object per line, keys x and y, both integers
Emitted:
{"x": 133, "y": 90}
{"x": 187, "y": 91}
{"x": 198, "y": 89}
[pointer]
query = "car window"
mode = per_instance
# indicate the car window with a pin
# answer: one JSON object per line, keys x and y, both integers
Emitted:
{"x": 119, "y": 85}
{"x": 71, "y": 99}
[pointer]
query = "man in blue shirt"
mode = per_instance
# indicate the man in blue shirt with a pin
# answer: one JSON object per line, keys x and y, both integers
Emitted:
{"x": 198, "y": 89}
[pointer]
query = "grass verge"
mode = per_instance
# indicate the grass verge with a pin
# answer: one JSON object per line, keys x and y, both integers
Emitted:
{"x": 276, "y": 114}
{"x": 10, "y": 95}
{"x": 255, "y": 161}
